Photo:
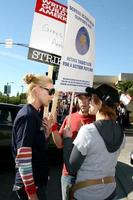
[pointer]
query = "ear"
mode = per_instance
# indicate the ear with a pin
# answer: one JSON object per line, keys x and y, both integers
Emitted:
{"x": 36, "y": 90}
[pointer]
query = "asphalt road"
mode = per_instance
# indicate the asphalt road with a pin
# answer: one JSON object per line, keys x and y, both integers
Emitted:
{"x": 54, "y": 189}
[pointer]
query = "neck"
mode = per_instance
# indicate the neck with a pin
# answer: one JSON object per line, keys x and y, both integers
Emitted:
{"x": 99, "y": 116}
{"x": 35, "y": 104}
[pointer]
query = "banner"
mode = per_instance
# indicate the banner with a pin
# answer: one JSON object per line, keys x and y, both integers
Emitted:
{"x": 76, "y": 69}
{"x": 125, "y": 98}
{"x": 47, "y": 34}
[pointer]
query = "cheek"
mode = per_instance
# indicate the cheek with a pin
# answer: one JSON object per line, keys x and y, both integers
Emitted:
{"x": 93, "y": 109}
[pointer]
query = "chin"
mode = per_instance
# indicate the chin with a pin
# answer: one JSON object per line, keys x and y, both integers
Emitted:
{"x": 45, "y": 104}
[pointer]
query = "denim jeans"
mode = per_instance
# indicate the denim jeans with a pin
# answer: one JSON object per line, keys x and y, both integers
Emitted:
{"x": 66, "y": 183}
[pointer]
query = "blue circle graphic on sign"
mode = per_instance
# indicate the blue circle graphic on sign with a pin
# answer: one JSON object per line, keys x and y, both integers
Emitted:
{"x": 82, "y": 41}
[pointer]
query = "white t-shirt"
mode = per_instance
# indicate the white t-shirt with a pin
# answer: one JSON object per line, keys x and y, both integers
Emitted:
{"x": 98, "y": 163}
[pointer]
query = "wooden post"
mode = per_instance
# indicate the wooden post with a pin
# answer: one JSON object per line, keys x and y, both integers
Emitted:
{"x": 71, "y": 106}
{"x": 50, "y": 74}
{"x": 55, "y": 101}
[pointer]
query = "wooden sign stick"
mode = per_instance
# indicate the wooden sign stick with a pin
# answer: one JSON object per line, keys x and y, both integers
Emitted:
{"x": 71, "y": 106}
{"x": 50, "y": 74}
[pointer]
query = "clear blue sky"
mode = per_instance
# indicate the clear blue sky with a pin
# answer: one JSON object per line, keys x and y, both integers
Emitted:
{"x": 113, "y": 31}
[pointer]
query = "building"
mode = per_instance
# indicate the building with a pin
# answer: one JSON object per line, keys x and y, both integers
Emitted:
{"x": 98, "y": 79}
{"x": 113, "y": 80}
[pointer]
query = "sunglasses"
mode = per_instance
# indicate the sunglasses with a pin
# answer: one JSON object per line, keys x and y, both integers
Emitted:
{"x": 51, "y": 91}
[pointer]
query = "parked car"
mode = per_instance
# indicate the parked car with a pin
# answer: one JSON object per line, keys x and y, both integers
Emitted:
{"x": 8, "y": 113}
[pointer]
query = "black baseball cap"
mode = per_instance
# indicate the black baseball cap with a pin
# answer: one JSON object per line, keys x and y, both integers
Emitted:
{"x": 81, "y": 93}
{"x": 108, "y": 94}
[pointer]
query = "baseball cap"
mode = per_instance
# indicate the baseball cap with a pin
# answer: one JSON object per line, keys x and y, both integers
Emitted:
{"x": 108, "y": 94}
{"x": 81, "y": 93}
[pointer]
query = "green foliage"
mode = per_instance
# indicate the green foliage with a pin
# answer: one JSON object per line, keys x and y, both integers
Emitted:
{"x": 130, "y": 91}
{"x": 3, "y": 98}
{"x": 125, "y": 86}
{"x": 19, "y": 99}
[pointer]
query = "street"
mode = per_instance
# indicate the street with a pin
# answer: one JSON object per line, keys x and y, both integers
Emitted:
{"x": 54, "y": 191}
{"x": 7, "y": 179}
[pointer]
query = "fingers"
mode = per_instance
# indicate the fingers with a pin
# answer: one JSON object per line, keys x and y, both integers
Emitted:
{"x": 67, "y": 131}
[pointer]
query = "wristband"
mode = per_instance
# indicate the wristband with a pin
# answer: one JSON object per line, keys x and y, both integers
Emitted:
{"x": 54, "y": 127}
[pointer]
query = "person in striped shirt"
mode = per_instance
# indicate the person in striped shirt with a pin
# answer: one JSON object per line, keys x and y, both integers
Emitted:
{"x": 29, "y": 140}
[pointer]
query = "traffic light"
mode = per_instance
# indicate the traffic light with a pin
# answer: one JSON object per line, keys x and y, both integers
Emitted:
{"x": 7, "y": 89}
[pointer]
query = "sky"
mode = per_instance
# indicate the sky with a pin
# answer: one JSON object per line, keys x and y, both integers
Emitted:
{"x": 113, "y": 34}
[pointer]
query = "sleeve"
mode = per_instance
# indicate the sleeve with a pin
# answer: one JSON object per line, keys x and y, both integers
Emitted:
{"x": 25, "y": 134}
{"x": 24, "y": 165}
{"x": 72, "y": 157}
{"x": 83, "y": 140}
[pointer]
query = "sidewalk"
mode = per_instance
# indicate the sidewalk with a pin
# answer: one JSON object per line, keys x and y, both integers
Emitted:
{"x": 124, "y": 170}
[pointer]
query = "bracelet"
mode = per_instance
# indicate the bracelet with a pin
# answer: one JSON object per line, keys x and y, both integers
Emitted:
{"x": 54, "y": 127}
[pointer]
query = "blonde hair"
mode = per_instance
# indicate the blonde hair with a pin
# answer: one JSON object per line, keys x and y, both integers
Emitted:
{"x": 32, "y": 81}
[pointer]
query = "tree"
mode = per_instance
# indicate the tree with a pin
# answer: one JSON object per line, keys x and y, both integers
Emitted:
{"x": 19, "y": 99}
{"x": 125, "y": 87}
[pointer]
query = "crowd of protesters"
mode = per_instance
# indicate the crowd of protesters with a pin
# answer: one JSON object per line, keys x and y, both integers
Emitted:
{"x": 91, "y": 137}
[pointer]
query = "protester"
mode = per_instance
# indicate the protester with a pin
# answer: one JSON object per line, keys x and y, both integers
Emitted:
{"x": 122, "y": 115}
{"x": 96, "y": 148}
{"x": 29, "y": 141}
{"x": 76, "y": 120}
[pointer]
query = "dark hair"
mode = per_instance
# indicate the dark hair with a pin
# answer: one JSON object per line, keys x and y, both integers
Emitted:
{"x": 105, "y": 109}
{"x": 108, "y": 94}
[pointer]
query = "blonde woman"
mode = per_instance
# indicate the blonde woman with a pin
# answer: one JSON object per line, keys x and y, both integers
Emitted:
{"x": 29, "y": 141}
{"x": 96, "y": 148}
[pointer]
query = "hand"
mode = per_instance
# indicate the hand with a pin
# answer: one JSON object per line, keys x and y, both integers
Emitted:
{"x": 53, "y": 117}
{"x": 46, "y": 123}
{"x": 33, "y": 197}
{"x": 67, "y": 132}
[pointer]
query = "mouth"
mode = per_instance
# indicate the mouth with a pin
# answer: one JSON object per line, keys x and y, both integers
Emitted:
{"x": 83, "y": 107}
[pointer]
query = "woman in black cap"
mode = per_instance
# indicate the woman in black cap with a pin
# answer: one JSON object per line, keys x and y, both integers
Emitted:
{"x": 93, "y": 157}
